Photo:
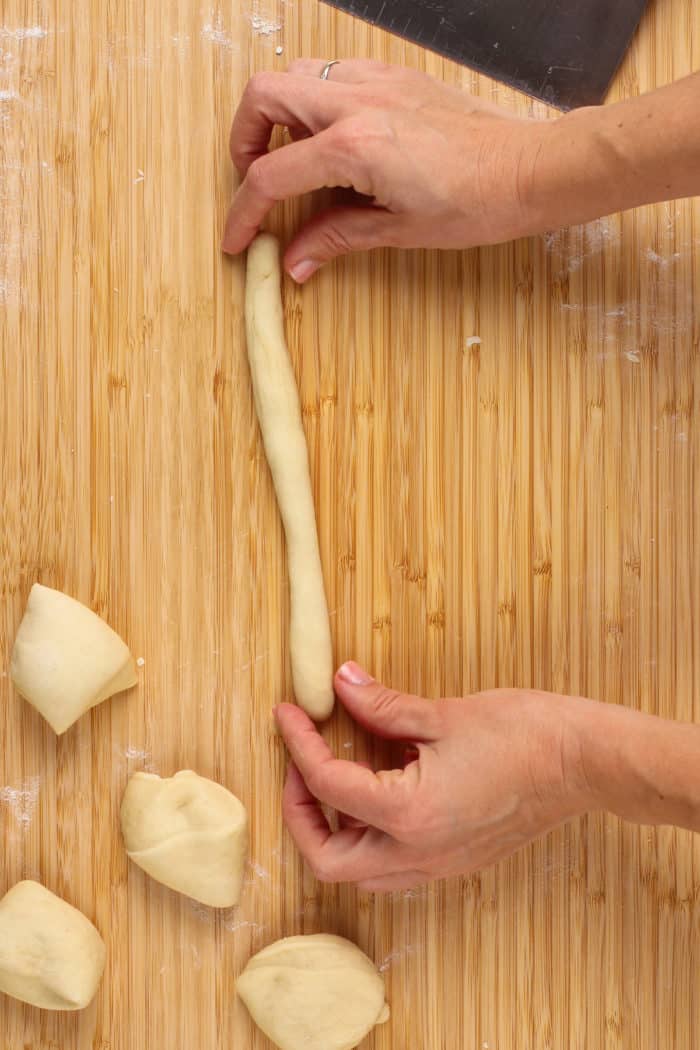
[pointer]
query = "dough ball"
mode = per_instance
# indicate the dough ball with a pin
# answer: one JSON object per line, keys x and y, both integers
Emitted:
{"x": 318, "y": 992}
{"x": 187, "y": 832}
{"x": 50, "y": 954}
{"x": 66, "y": 659}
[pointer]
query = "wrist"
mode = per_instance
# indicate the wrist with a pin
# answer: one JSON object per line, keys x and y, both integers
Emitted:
{"x": 641, "y": 768}
{"x": 598, "y": 160}
{"x": 574, "y": 172}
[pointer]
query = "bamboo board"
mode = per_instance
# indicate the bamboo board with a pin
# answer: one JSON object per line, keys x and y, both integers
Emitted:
{"x": 515, "y": 512}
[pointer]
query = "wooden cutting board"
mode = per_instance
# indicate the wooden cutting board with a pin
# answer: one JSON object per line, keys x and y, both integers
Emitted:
{"x": 517, "y": 510}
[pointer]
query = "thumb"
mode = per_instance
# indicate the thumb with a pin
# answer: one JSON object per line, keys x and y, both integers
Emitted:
{"x": 335, "y": 232}
{"x": 386, "y": 712}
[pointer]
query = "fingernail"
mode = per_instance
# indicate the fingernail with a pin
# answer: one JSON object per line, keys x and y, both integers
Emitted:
{"x": 353, "y": 674}
{"x": 302, "y": 270}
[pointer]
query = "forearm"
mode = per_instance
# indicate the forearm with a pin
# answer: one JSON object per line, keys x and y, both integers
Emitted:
{"x": 603, "y": 159}
{"x": 642, "y": 768}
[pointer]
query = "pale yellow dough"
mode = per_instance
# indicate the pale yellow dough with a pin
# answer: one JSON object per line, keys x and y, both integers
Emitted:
{"x": 50, "y": 954}
{"x": 317, "y": 992}
{"x": 66, "y": 659}
{"x": 279, "y": 415}
{"x": 189, "y": 833}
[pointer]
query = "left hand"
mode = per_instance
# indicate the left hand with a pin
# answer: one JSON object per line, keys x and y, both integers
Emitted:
{"x": 431, "y": 165}
{"x": 484, "y": 776}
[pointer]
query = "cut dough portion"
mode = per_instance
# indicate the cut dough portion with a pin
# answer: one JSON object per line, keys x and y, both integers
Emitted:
{"x": 279, "y": 415}
{"x": 318, "y": 992}
{"x": 50, "y": 954}
{"x": 189, "y": 833}
{"x": 66, "y": 659}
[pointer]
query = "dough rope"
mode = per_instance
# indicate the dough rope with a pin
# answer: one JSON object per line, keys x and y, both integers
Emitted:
{"x": 279, "y": 415}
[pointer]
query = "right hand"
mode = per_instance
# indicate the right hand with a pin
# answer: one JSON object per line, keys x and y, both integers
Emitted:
{"x": 437, "y": 167}
{"x": 483, "y": 776}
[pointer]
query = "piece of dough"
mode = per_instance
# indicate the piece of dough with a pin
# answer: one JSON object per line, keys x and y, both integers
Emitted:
{"x": 66, "y": 659}
{"x": 50, "y": 954}
{"x": 189, "y": 833}
{"x": 317, "y": 992}
{"x": 279, "y": 415}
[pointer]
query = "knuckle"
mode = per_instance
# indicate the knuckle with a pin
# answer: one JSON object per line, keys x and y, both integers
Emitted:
{"x": 258, "y": 84}
{"x": 386, "y": 701}
{"x": 403, "y": 826}
{"x": 409, "y": 821}
{"x": 439, "y": 711}
{"x": 350, "y": 134}
{"x": 322, "y": 868}
{"x": 316, "y": 781}
{"x": 334, "y": 241}
{"x": 257, "y": 177}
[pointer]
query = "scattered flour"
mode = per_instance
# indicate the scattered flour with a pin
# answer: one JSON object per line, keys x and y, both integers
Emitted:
{"x": 135, "y": 752}
{"x": 473, "y": 340}
{"x": 661, "y": 260}
{"x": 23, "y": 33}
{"x": 571, "y": 247}
{"x": 263, "y": 26}
{"x": 393, "y": 957}
{"x": 21, "y": 800}
{"x": 214, "y": 32}
{"x": 8, "y": 96}
{"x": 258, "y": 870}
{"x": 261, "y": 21}
{"x": 241, "y": 924}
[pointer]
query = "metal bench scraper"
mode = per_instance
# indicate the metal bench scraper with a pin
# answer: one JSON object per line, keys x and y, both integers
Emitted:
{"x": 562, "y": 51}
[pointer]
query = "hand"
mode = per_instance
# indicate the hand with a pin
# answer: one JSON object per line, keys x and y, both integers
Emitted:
{"x": 436, "y": 166}
{"x": 484, "y": 776}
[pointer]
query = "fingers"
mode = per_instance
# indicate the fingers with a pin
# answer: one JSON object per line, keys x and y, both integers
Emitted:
{"x": 297, "y": 168}
{"x": 386, "y": 712}
{"x": 282, "y": 98}
{"x": 347, "y": 71}
{"x": 349, "y": 855}
{"x": 336, "y": 232}
{"x": 346, "y": 786}
{"x": 346, "y": 821}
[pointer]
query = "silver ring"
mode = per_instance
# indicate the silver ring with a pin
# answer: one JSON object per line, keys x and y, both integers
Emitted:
{"x": 327, "y": 68}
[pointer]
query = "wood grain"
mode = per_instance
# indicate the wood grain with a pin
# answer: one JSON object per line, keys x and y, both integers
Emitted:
{"x": 514, "y": 512}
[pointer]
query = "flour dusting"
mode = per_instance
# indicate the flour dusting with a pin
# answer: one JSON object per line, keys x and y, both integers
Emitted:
{"x": 264, "y": 26}
{"x": 262, "y": 22}
{"x": 23, "y": 33}
{"x": 393, "y": 957}
{"x": 661, "y": 260}
{"x": 22, "y": 800}
{"x": 573, "y": 246}
{"x": 214, "y": 32}
{"x": 8, "y": 96}
{"x": 243, "y": 924}
{"x": 135, "y": 752}
{"x": 258, "y": 869}
{"x": 138, "y": 754}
